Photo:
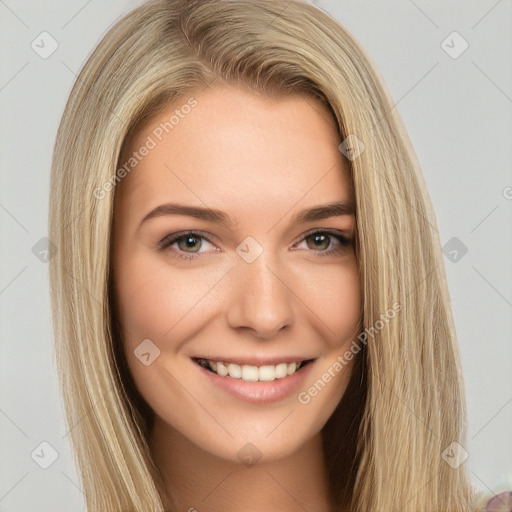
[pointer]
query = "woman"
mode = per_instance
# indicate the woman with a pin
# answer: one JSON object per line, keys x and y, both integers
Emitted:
{"x": 305, "y": 355}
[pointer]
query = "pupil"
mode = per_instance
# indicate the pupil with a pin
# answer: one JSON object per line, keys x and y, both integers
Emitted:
{"x": 190, "y": 241}
{"x": 319, "y": 238}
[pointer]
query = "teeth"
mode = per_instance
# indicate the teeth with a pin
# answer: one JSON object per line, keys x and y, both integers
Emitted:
{"x": 234, "y": 370}
{"x": 267, "y": 372}
{"x": 252, "y": 373}
{"x": 249, "y": 373}
{"x": 281, "y": 370}
{"x": 221, "y": 369}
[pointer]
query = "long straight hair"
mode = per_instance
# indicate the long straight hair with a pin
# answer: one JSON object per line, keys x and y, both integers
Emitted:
{"x": 406, "y": 398}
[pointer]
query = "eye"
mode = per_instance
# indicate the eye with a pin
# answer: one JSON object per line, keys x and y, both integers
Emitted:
{"x": 323, "y": 240}
{"x": 188, "y": 243}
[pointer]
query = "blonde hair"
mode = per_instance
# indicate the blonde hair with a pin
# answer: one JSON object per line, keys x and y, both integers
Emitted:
{"x": 407, "y": 398}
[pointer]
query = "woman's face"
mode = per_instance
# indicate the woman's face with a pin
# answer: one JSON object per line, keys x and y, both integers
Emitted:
{"x": 253, "y": 285}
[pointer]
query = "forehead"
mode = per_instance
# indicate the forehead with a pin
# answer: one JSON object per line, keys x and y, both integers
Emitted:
{"x": 226, "y": 146}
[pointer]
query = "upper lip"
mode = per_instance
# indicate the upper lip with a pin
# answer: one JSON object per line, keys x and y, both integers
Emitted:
{"x": 255, "y": 360}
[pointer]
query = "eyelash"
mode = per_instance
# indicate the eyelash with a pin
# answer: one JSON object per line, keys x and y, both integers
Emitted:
{"x": 167, "y": 241}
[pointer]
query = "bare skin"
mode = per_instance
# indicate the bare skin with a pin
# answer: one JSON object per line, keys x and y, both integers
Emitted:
{"x": 261, "y": 161}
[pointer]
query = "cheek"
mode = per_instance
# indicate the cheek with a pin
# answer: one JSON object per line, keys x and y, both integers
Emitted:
{"x": 144, "y": 306}
{"x": 334, "y": 295}
{"x": 171, "y": 306}
{"x": 165, "y": 304}
{"x": 159, "y": 302}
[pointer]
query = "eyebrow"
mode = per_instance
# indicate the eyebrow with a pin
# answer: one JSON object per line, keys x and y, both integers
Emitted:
{"x": 320, "y": 212}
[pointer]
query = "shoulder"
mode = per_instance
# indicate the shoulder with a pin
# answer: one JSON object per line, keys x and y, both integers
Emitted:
{"x": 501, "y": 502}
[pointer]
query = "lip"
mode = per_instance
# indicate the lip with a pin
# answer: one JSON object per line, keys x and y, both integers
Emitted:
{"x": 255, "y": 360}
{"x": 260, "y": 392}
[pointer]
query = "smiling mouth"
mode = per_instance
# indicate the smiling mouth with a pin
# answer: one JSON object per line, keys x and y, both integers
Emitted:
{"x": 250, "y": 373}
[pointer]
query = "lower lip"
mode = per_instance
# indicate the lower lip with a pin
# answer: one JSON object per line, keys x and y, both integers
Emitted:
{"x": 261, "y": 391}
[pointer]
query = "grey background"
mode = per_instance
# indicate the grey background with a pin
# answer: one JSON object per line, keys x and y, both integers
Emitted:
{"x": 458, "y": 114}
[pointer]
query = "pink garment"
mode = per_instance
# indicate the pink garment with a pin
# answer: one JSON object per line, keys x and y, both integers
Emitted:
{"x": 501, "y": 502}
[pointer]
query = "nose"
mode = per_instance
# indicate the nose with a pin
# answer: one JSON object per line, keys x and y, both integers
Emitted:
{"x": 261, "y": 300}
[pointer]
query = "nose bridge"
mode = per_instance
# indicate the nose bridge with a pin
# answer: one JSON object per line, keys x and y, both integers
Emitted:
{"x": 261, "y": 299}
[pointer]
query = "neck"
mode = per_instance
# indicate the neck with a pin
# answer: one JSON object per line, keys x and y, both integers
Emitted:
{"x": 196, "y": 480}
